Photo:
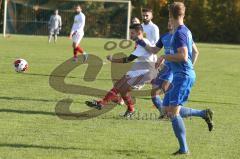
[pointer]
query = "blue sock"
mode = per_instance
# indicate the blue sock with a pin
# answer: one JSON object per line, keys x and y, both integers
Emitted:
{"x": 157, "y": 103}
{"x": 187, "y": 112}
{"x": 180, "y": 132}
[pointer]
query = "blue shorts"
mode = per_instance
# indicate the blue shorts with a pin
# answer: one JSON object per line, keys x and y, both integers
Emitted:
{"x": 164, "y": 75}
{"x": 179, "y": 93}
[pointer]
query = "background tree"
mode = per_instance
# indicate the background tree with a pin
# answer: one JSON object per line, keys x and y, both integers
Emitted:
{"x": 1, "y": 16}
{"x": 209, "y": 20}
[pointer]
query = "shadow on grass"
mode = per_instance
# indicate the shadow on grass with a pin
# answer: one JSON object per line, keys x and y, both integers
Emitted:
{"x": 26, "y": 146}
{"x": 75, "y": 116}
{"x": 31, "y": 112}
{"x": 130, "y": 152}
{"x": 66, "y": 114}
{"x": 31, "y": 99}
{"x": 82, "y": 78}
{"x": 27, "y": 99}
{"x": 38, "y": 146}
{"x": 47, "y": 75}
{"x": 60, "y": 113}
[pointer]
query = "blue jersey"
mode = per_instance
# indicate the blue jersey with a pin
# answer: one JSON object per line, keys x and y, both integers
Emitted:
{"x": 165, "y": 41}
{"x": 182, "y": 38}
{"x": 165, "y": 74}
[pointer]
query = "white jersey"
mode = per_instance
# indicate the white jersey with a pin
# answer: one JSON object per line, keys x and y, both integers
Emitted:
{"x": 79, "y": 23}
{"x": 55, "y": 22}
{"x": 143, "y": 70}
{"x": 152, "y": 32}
{"x": 145, "y": 61}
{"x": 143, "y": 55}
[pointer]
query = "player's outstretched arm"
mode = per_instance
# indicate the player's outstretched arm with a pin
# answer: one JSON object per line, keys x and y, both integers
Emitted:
{"x": 195, "y": 54}
{"x": 149, "y": 48}
{"x": 153, "y": 50}
{"x": 122, "y": 60}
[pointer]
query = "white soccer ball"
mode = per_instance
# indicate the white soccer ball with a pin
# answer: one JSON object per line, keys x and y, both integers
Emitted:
{"x": 20, "y": 65}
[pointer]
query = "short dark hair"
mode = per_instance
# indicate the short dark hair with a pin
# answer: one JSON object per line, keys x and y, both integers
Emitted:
{"x": 177, "y": 9}
{"x": 134, "y": 18}
{"x": 137, "y": 27}
{"x": 78, "y": 5}
{"x": 147, "y": 10}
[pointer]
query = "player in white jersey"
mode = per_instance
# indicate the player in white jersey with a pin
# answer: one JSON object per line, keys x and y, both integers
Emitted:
{"x": 77, "y": 33}
{"x": 150, "y": 29}
{"x": 54, "y": 26}
{"x": 142, "y": 71}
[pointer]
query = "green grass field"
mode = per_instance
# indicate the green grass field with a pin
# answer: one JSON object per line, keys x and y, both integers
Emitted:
{"x": 30, "y": 129}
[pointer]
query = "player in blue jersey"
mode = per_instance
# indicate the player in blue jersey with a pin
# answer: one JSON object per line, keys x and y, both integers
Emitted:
{"x": 181, "y": 60}
{"x": 163, "y": 81}
{"x": 183, "y": 76}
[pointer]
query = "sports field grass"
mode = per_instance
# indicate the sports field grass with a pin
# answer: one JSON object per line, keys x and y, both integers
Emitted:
{"x": 29, "y": 127}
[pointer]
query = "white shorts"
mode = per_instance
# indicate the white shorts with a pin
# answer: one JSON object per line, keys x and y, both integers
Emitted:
{"x": 77, "y": 37}
{"x": 138, "y": 78}
{"x": 53, "y": 31}
{"x": 137, "y": 73}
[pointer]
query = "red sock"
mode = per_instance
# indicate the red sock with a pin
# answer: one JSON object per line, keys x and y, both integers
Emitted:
{"x": 129, "y": 102}
{"x": 79, "y": 49}
{"x": 117, "y": 100}
{"x": 75, "y": 52}
{"x": 111, "y": 95}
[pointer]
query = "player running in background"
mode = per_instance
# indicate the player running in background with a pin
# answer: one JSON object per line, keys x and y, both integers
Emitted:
{"x": 77, "y": 33}
{"x": 150, "y": 29}
{"x": 181, "y": 59}
{"x": 54, "y": 26}
{"x": 142, "y": 71}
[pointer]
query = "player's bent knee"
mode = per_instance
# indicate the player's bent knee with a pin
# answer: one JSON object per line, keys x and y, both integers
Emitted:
{"x": 124, "y": 89}
{"x": 74, "y": 45}
{"x": 172, "y": 111}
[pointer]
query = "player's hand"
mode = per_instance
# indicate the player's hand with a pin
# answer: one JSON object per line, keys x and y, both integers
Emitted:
{"x": 109, "y": 58}
{"x": 159, "y": 62}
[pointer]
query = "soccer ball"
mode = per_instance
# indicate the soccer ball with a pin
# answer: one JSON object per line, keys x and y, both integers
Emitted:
{"x": 20, "y": 65}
